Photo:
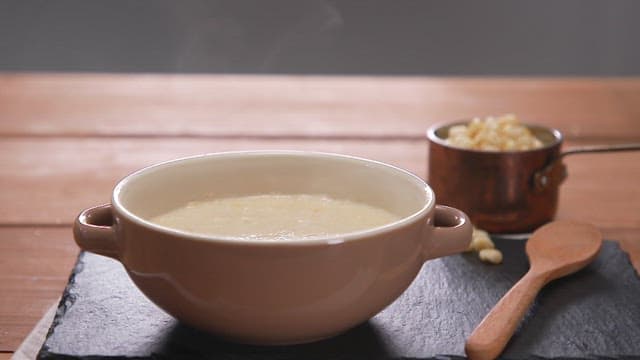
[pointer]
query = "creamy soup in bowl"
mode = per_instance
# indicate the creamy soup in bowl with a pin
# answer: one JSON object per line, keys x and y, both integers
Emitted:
{"x": 290, "y": 247}
{"x": 275, "y": 217}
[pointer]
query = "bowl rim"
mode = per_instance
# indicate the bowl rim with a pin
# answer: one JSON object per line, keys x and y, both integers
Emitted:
{"x": 416, "y": 216}
{"x": 433, "y": 137}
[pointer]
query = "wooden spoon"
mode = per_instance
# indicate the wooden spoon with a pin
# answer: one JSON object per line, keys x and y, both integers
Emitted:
{"x": 554, "y": 250}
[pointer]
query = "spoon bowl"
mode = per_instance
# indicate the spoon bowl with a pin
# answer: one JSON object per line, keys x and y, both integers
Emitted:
{"x": 563, "y": 247}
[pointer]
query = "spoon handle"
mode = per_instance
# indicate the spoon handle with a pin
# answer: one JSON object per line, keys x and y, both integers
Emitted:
{"x": 494, "y": 331}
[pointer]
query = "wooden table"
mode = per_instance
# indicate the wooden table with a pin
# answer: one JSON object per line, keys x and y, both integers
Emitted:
{"x": 66, "y": 139}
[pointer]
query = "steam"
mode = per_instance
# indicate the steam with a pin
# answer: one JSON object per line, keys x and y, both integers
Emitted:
{"x": 223, "y": 37}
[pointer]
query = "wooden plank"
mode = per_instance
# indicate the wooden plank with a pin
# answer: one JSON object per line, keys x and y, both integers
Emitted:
{"x": 627, "y": 92}
{"x": 304, "y": 106}
{"x": 602, "y": 189}
{"x": 34, "y": 268}
{"x": 52, "y": 179}
{"x": 61, "y": 176}
{"x": 31, "y": 345}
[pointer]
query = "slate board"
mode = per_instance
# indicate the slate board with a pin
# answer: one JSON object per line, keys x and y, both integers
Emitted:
{"x": 594, "y": 313}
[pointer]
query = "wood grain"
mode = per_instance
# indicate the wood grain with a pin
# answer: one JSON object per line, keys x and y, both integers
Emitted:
{"x": 306, "y": 106}
{"x": 601, "y": 189}
{"x": 52, "y": 179}
{"x": 66, "y": 139}
{"x": 34, "y": 268}
{"x": 59, "y": 177}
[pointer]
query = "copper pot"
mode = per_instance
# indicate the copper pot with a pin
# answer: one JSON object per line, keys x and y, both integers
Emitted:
{"x": 502, "y": 192}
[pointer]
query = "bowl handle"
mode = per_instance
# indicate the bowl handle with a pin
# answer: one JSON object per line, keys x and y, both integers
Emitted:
{"x": 93, "y": 231}
{"x": 451, "y": 233}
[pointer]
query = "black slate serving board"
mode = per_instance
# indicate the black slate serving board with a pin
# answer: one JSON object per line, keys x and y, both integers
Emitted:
{"x": 594, "y": 313}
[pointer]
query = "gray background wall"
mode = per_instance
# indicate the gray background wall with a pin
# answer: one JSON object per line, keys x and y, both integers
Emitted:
{"x": 509, "y": 37}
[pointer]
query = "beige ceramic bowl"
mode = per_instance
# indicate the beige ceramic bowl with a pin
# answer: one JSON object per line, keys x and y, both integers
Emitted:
{"x": 266, "y": 292}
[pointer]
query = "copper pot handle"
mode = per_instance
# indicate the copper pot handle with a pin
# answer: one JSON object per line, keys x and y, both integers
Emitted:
{"x": 554, "y": 173}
